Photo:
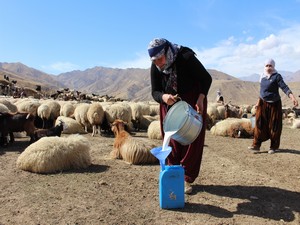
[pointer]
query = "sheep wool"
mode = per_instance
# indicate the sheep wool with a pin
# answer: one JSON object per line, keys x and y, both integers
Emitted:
{"x": 44, "y": 111}
{"x": 80, "y": 114}
{"x": 131, "y": 150}
{"x": 95, "y": 116}
{"x": 136, "y": 152}
{"x": 233, "y": 127}
{"x": 4, "y": 108}
{"x": 54, "y": 107}
{"x": 146, "y": 120}
{"x": 67, "y": 110}
{"x": 54, "y": 154}
{"x": 154, "y": 131}
{"x": 71, "y": 125}
{"x": 154, "y": 109}
{"x": 119, "y": 111}
{"x": 28, "y": 105}
{"x": 296, "y": 123}
{"x": 12, "y": 107}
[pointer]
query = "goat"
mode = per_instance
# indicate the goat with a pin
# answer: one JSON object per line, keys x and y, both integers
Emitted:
{"x": 232, "y": 111}
{"x": 126, "y": 147}
{"x": 53, "y": 131}
{"x": 16, "y": 122}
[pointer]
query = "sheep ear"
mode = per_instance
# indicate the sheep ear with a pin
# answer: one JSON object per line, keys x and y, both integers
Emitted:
{"x": 114, "y": 127}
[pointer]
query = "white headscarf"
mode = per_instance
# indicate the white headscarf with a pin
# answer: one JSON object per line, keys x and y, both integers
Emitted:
{"x": 268, "y": 71}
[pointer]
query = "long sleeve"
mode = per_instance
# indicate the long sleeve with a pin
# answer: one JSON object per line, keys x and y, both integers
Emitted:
{"x": 156, "y": 84}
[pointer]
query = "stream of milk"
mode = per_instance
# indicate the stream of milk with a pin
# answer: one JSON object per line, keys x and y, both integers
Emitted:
{"x": 168, "y": 135}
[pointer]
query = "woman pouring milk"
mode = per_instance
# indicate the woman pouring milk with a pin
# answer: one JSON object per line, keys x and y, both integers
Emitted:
{"x": 175, "y": 71}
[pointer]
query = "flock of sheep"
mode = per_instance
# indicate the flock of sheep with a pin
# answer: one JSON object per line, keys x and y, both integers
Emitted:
{"x": 53, "y": 153}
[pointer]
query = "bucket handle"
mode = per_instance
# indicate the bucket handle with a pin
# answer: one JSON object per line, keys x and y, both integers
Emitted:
{"x": 178, "y": 98}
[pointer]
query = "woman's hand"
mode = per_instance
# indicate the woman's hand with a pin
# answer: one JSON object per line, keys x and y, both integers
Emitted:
{"x": 169, "y": 99}
{"x": 295, "y": 101}
{"x": 199, "y": 104}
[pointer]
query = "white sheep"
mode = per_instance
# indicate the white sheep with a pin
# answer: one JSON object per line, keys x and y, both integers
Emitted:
{"x": 54, "y": 154}
{"x": 212, "y": 115}
{"x": 291, "y": 115}
{"x": 154, "y": 109}
{"x": 154, "y": 130}
{"x": 295, "y": 123}
{"x": 28, "y": 105}
{"x": 95, "y": 116}
{"x": 4, "y": 108}
{"x": 286, "y": 111}
{"x": 145, "y": 108}
{"x": 233, "y": 127}
{"x": 43, "y": 111}
{"x": 120, "y": 111}
{"x": 253, "y": 110}
{"x": 71, "y": 125}
{"x": 143, "y": 114}
{"x": 141, "y": 118}
{"x": 67, "y": 110}
{"x": 221, "y": 112}
{"x": 54, "y": 109}
{"x": 146, "y": 120}
{"x": 131, "y": 150}
{"x": 80, "y": 114}
{"x": 12, "y": 107}
{"x": 246, "y": 108}
{"x": 136, "y": 113}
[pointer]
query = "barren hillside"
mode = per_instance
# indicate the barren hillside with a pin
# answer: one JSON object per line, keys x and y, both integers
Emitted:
{"x": 132, "y": 84}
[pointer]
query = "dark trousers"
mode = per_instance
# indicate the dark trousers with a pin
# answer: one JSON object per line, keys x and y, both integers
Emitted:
{"x": 189, "y": 156}
{"x": 268, "y": 124}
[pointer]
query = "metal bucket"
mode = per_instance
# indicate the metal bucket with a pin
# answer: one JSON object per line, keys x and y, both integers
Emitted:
{"x": 183, "y": 119}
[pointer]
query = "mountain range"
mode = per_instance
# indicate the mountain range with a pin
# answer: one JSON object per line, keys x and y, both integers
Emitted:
{"x": 134, "y": 84}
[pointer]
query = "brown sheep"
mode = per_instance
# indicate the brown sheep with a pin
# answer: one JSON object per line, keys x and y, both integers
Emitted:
{"x": 232, "y": 111}
{"x": 129, "y": 149}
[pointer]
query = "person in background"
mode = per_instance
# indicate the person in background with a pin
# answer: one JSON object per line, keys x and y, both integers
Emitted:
{"x": 175, "y": 71}
{"x": 268, "y": 118}
{"x": 220, "y": 98}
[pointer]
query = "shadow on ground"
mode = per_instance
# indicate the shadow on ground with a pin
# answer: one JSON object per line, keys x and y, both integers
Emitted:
{"x": 265, "y": 202}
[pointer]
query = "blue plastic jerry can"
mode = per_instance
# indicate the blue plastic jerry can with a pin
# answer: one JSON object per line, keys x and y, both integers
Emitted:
{"x": 171, "y": 187}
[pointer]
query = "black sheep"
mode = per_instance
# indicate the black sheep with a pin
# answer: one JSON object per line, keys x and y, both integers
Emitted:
{"x": 54, "y": 131}
{"x": 15, "y": 122}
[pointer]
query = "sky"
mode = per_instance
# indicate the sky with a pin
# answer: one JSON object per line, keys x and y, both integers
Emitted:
{"x": 232, "y": 36}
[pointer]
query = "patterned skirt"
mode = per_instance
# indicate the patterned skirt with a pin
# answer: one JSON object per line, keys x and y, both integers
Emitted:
{"x": 268, "y": 123}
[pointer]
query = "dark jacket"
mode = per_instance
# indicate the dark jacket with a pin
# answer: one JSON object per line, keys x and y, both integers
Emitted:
{"x": 191, "y": 74}
{"x": 269, "y": 88}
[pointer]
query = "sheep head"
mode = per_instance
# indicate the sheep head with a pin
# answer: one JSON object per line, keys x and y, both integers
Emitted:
{"x": 62, "y": 124}
{"x": 118, "y": 126}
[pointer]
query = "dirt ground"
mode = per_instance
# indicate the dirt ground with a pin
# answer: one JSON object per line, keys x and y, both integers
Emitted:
{"x": 235, "y": 187}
